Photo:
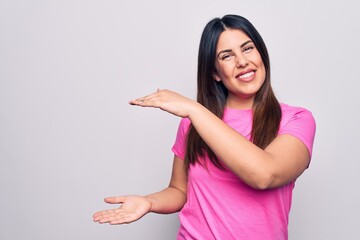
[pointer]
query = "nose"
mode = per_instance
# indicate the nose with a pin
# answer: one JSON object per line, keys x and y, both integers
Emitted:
{"x": 241, "y": 60}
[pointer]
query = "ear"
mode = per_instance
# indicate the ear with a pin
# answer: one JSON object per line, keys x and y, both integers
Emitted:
{"x": 216, "y": 76}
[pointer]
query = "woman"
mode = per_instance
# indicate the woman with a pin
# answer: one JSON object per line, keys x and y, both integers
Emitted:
{"x": 238, "y": 151}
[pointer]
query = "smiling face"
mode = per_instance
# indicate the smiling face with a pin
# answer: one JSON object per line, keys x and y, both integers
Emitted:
{"x": 240, "y": 68}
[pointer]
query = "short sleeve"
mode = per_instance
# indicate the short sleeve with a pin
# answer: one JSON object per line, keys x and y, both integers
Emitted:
{"x": 179, "y": 147}
{"x": 299, "y": 123}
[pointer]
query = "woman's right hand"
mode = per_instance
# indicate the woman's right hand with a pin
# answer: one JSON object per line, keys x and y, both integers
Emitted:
{"x": 168, "y": 101}
{"x": 132, "y": 208}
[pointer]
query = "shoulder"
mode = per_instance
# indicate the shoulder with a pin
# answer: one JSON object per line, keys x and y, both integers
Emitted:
{"x": 289, "y": 109}
{"x": 290, "y": 113}
{"x": 298, "y": 122}
{"x": 183, "y": 128}
{"x": 180, "y": 141}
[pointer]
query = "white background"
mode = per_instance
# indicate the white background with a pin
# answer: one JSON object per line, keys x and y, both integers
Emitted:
{"x": 68, "y": 137}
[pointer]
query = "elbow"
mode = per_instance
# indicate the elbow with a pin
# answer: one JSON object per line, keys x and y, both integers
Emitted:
{"x": 263, "y": 182}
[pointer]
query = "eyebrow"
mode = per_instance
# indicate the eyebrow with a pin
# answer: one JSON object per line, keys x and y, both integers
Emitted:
{"x": 229, "y": 50}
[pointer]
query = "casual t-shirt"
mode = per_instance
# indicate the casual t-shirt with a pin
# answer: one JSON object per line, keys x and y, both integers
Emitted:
{"x": 221, "y": 206}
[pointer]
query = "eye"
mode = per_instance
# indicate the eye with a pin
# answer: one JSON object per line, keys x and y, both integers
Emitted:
{"x": 226, "y": 56}
{"x": 248, "y": 48}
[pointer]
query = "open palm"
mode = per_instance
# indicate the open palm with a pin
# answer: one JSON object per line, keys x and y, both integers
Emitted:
{"x": 132, "y": 208}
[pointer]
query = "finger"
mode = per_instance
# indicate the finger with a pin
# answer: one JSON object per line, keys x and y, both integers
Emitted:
{"x": 153, "y": 100}
{"x": 100, "y": 217}
{"x": 114, "y": 218}
{"x": 137, "y": 102}
{"x": 141, "y": 100}
{"x": 115, "y": 200}
{"x": 107, "y": 215}
{"x": 108, "y": 218}
{"x": 102, "y": 214}
{"x": 122, "y": 220}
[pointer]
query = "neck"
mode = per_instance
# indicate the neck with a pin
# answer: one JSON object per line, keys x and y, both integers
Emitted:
{"x": 239, "y": 103}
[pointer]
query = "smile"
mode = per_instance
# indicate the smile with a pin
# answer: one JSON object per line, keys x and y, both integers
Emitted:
{"x": 246, "y": 75}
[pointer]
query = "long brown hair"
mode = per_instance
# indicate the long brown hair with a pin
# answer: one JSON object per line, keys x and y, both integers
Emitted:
{"x": 212, "y": 94}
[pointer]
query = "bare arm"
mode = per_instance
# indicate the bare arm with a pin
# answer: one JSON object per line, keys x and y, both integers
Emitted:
{"x": 281, "y": 162}
{"x": 133, "y": 207}
{"x": 173, "y": 198}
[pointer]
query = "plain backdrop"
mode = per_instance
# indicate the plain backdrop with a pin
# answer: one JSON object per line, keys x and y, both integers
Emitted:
{"x": 68, "y": 137}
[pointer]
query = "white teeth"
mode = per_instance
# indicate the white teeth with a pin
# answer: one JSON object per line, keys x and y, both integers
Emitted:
{"x": 246, "y": 75}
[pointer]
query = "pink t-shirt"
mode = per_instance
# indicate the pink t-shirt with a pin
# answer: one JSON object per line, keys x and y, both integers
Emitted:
{"x": 220, "y": 206}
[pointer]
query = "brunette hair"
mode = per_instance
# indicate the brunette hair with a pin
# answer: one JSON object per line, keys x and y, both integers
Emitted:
{"x": 212, "y": 94}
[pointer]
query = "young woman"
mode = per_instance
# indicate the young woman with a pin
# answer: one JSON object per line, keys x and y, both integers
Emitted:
{"x": 238, "y": 151}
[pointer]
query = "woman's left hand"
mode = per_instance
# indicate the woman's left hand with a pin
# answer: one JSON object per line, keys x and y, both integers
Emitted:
{"x": 168, "y": 101}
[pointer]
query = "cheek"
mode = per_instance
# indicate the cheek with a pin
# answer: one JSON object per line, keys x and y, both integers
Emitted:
{"x": 219, "y": 73}
{"x": 225, "y": 71}
{"x": 263, "y": 71}
{"x": 260, "y": 66}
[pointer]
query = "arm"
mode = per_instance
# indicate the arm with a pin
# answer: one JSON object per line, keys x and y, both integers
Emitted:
{"x": 132, "y": 208}
{"x": 172, "y": 198}
{"x": 281, "y": 162}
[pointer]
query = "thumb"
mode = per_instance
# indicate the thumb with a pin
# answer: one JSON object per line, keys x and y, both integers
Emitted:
{"x": 115, "y": 200}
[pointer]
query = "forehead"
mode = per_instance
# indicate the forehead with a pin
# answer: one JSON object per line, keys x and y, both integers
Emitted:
{"x": 231, "y": 38}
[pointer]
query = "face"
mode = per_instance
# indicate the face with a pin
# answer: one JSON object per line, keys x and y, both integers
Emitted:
{"x": 240, "y": 67}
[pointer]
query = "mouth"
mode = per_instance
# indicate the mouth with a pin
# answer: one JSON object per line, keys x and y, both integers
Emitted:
{"x": 246, "y": 76}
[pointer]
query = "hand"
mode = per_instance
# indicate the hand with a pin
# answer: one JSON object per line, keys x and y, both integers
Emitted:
{"x": 168, "y": 101}
{"x": 132, "y": 208}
